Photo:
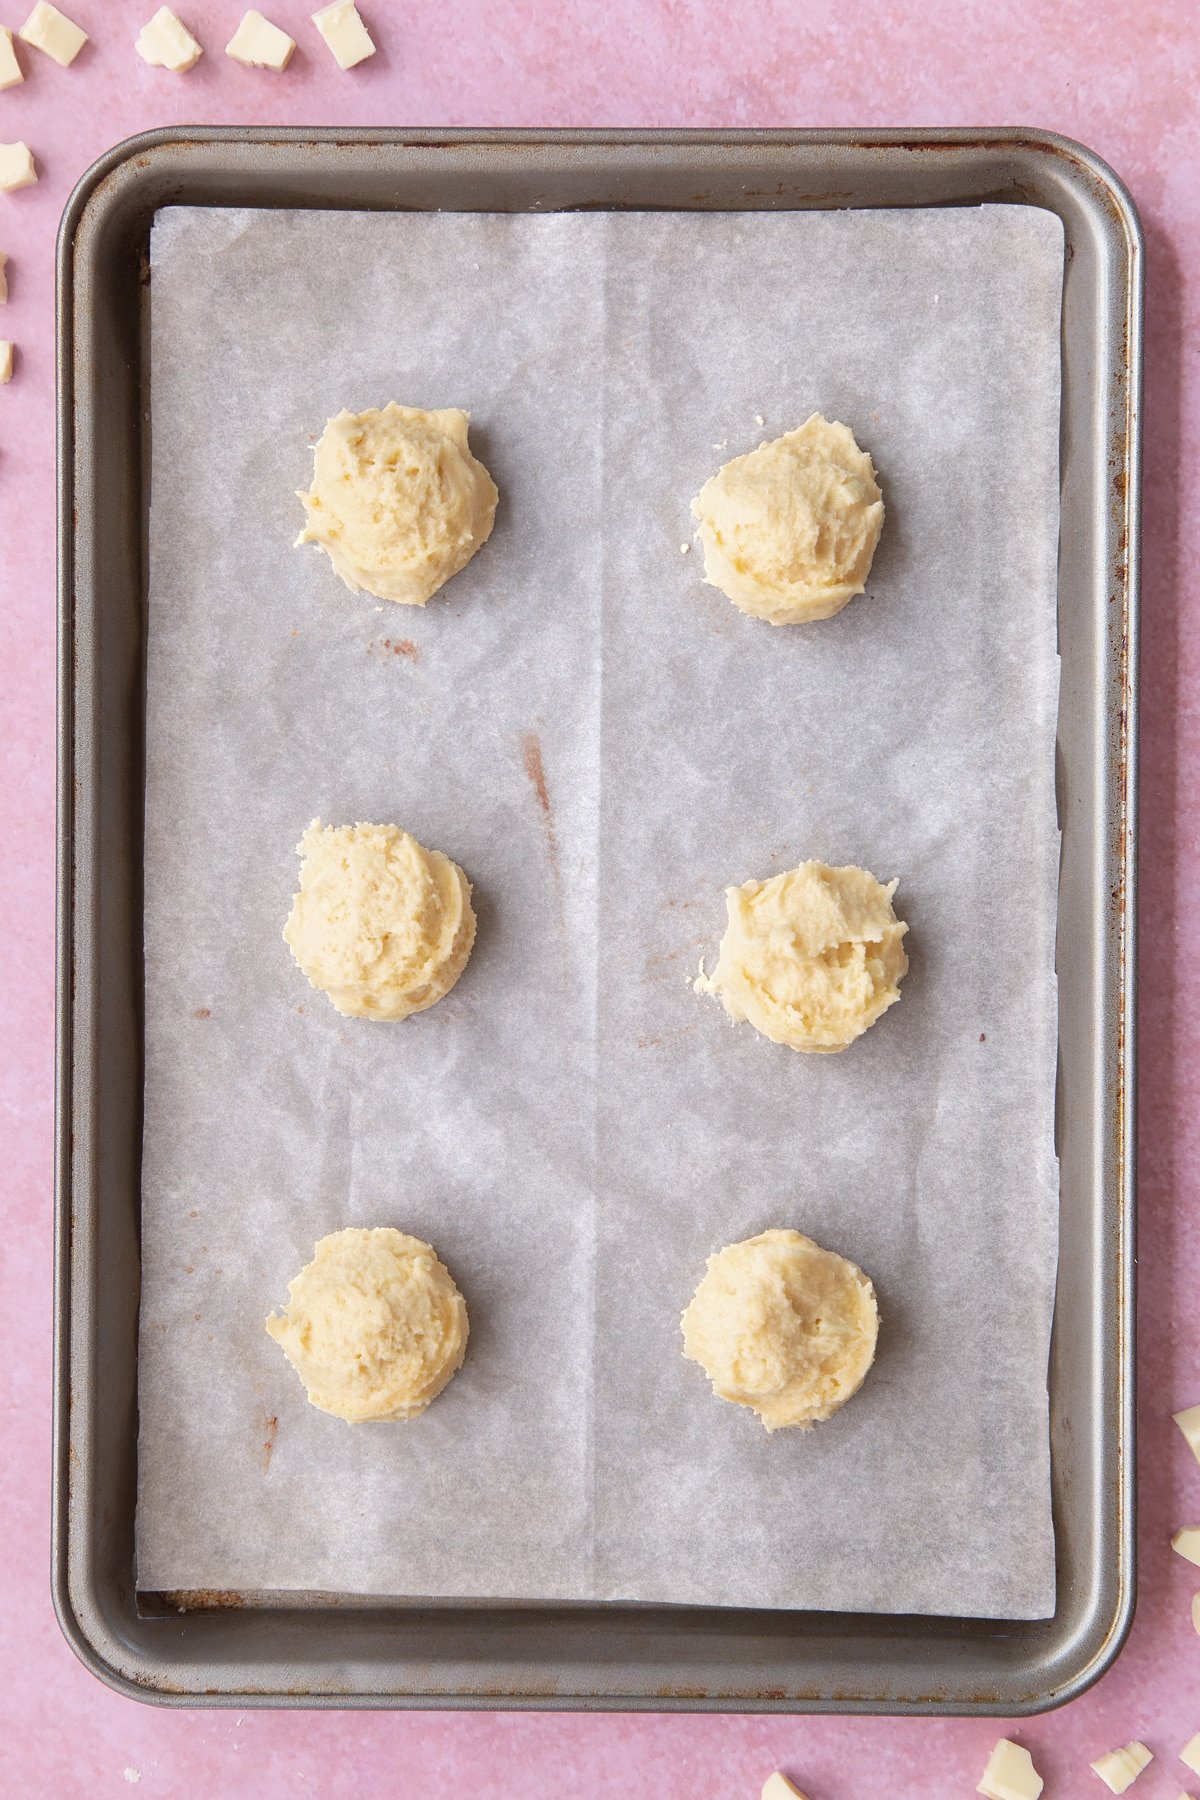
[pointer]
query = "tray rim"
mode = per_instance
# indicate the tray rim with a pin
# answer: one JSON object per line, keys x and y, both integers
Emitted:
{"x": 98, "y": 1644}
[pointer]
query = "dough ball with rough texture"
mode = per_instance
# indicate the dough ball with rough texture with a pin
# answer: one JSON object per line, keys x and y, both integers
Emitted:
{"x": 811, "y": 957}
{"x": 782, "y": 1326}
{"x": 381, "y": 925}
{"x": 790, "y": 529}
{"x": 374, "y": 1325}
{"x": 398, "y": 501}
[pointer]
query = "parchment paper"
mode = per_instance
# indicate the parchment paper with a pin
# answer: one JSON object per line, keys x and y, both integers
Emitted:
{"x": 604, "y": 743}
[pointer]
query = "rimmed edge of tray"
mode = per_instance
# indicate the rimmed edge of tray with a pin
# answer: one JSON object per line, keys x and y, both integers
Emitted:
{"x": 321, "y": 1650}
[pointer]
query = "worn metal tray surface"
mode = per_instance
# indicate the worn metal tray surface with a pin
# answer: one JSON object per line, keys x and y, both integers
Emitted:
{"x": 316, "y": 1649}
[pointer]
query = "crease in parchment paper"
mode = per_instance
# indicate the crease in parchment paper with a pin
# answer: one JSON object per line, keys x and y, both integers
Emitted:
{"x": 574, "y": 1128}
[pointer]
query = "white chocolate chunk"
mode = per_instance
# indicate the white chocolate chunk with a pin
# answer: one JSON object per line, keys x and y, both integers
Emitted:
{"x": 1190, "y": 1754}
{"x": 1196, "y": 1614}
{"x": 17, "y": 167}
{"x": 166, "y": 43}
{"x": 1187, "y": 1542}
{"x": 49, "y": 30}
{"x": 10, "y": 69}
{"x": 1189, "y": 1423}
{"x": 1119, "y": 1769}
{"x": 778, "y": 1787}
{"x": 259, "y": 44}
{"x": 3, "y": 277}
{"x": 344, "y": 32}
{"x": 1010, "y": 1774}
{"x": 6, "y": 360}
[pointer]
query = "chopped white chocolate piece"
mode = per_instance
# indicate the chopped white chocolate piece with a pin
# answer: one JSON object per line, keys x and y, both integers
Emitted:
{"x": 1119, "y": 1769}
{"x": 6, "y": 360}
{"x": 344, "y": 32}
{"x": 259, "y": 44}
{"x": 166, "y": 43}
{"x": 10, "y": 69}
{"x": 1010, "y": 1774}
{"x": 1196, "y": 1614}
{"x": 49, "y": 30}
{"x": 1187, "y": 1542}
{"x": 1189, "y": 1423}
{"x": 17, "y": 167}
{"x": 3, "y": 277}
{"x": 778, "y": 1787}
{"x": 1190, "y": 1754}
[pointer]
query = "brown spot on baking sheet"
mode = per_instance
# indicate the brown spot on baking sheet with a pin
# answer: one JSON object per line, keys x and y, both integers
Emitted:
{"x": 270, "y": 1428}
{"x": 983, "y": 1037}
{"x": 202, "y": 1012}
{"x": 535, "y": 770}
{"x": 656, "y": 967}
{"x": 384, "y": 648}
{"x": 666, "y": 1037}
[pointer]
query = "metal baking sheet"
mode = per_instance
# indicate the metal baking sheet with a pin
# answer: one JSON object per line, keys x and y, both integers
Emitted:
{"x": 241, "y": 1646}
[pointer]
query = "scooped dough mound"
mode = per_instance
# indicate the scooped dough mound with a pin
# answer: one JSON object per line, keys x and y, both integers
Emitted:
{"x": 790, "y": 529}
{"x": 398, "y": 501}
{"x": 782, "y": 1326}
{"x": 812, "y": 957}
{"x": 381, "y": 925}
{"x": 374, "y": 1325}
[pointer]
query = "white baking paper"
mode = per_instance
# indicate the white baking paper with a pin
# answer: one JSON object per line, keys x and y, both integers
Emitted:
{"x": 604, "y": 744}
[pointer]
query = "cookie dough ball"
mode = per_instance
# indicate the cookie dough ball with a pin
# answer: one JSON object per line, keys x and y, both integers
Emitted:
{"x": 381, "y": 925}
{"x": 784, "y": 1327}
{"x": 374, "y": 1325}
{"x": 790, "y": 529}
{"x": 812, "y": 957}
{"x": 398, "y": 501}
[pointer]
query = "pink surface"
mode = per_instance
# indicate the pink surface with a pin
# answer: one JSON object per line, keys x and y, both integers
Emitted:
{"x": 1124, "y": 79}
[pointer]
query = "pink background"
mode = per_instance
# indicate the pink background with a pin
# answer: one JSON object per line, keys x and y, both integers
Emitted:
{"x": 1122, "y": 77}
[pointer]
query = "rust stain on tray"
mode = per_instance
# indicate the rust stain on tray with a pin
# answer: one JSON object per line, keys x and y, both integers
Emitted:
{"x": 270, "y": 1430}
{"x": 186, "y": 1600}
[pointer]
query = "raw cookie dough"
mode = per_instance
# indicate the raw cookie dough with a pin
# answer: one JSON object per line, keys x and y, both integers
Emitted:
{"x": 374, "y": 1325}
{"x": 381, "y": 925}
{"x": 782, "y": 1326}
{"x": 789, "y": 530}
{"x": 811, "y": 957}
{"x": 398, "y": 501}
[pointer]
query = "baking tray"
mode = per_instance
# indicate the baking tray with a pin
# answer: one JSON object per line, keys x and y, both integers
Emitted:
{"x": 320, "y": 1650}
